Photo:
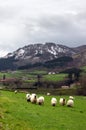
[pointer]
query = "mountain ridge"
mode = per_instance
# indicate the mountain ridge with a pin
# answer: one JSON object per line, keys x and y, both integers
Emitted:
{"x": 41, "y": 53}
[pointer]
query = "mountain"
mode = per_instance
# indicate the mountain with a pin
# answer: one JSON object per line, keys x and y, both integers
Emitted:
{"x": 80, "y": 56}
{"x": 80, "y": 49}
{"x": 42, "y": 54}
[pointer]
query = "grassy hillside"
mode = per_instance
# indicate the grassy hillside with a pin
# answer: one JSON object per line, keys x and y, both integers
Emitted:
{"x": 55, "y": 77}
{"x": 15, "y": 74}
{"x": 17, "y": 114}
{"x": 33, "y": 75}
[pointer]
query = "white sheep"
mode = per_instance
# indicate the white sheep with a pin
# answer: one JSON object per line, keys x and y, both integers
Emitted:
{"x": 28, "y": 96}
{"x": 62, "y": 101}
{"x": 70, "y": 103}
{"x": 33, "y": 98}
{"x": 15, "y": 91}
{"x": 40, "y": 100}
{"x": 48, "y": 94}
{"x": 53, "y": 101}
{"x": 71, "y": 97}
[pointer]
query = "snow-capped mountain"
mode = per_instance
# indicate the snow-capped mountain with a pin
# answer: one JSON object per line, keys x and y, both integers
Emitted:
{"x": 48, "y": 54}
{"x": 41, "y": 52}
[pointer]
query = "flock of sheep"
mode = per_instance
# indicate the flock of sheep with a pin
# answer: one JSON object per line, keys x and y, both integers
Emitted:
{"x": 40, "y": 100}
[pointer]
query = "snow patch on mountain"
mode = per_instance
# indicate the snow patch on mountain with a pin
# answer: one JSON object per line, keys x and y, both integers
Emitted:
{"x": 41, "y": 52}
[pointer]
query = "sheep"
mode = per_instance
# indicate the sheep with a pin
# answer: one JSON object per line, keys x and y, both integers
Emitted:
{"x": 53, "y": 101}
{"x": 40, "y": 100}
{"x": 48, "y": 94}
{"x": 71, "y": 97}
{"x": 70, "y": 103}
{"x": 62, "y": 101}
{"x": 28, "y": 96}
{"x": 15, "y": 91}
{"x": 33, "y": 98}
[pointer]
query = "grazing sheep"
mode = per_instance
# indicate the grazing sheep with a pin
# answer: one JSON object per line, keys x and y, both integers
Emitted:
{"x": 53, "y": 101}
{"x": 62, "y": 101}
{"x": 70, "y": 103}
{"x": 28, "y": 96}
{"x": 15, "y": 91}
{"x": 71, "y": 97}
{"x": 40, "y": 100}
{"x": 48, "y": 94}
{"x": 33, "y": 98}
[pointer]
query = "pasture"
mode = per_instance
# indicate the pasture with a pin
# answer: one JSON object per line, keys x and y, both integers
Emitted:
{"x": 32, "y": 76}
{"x": 17, "y": 114}
{"x": 55, "y": 77}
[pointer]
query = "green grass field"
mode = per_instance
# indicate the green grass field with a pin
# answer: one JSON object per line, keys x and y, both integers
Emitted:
{"x": 17, "y": 114}
{"x": 32, "y": 76}
{"x": 55, "y": 77}
{"x": 16, "y": 74}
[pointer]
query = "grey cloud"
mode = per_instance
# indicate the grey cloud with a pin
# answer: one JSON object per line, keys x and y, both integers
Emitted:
{"x": 56, "y": 29}
{"x": 8, "y": 13}
{"x": 23, "y": 23}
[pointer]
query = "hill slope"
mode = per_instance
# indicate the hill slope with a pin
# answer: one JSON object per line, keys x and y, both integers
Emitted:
{"x": 41, "y": 53}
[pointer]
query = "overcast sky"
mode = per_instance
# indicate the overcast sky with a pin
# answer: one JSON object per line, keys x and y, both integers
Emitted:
{"x": 24, "y": 22}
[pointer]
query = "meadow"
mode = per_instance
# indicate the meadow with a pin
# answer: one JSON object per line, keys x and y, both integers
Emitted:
{"x": 32, "y": 76}
{"x": 55, "y": 77}
{"x": 17, "y": 114}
